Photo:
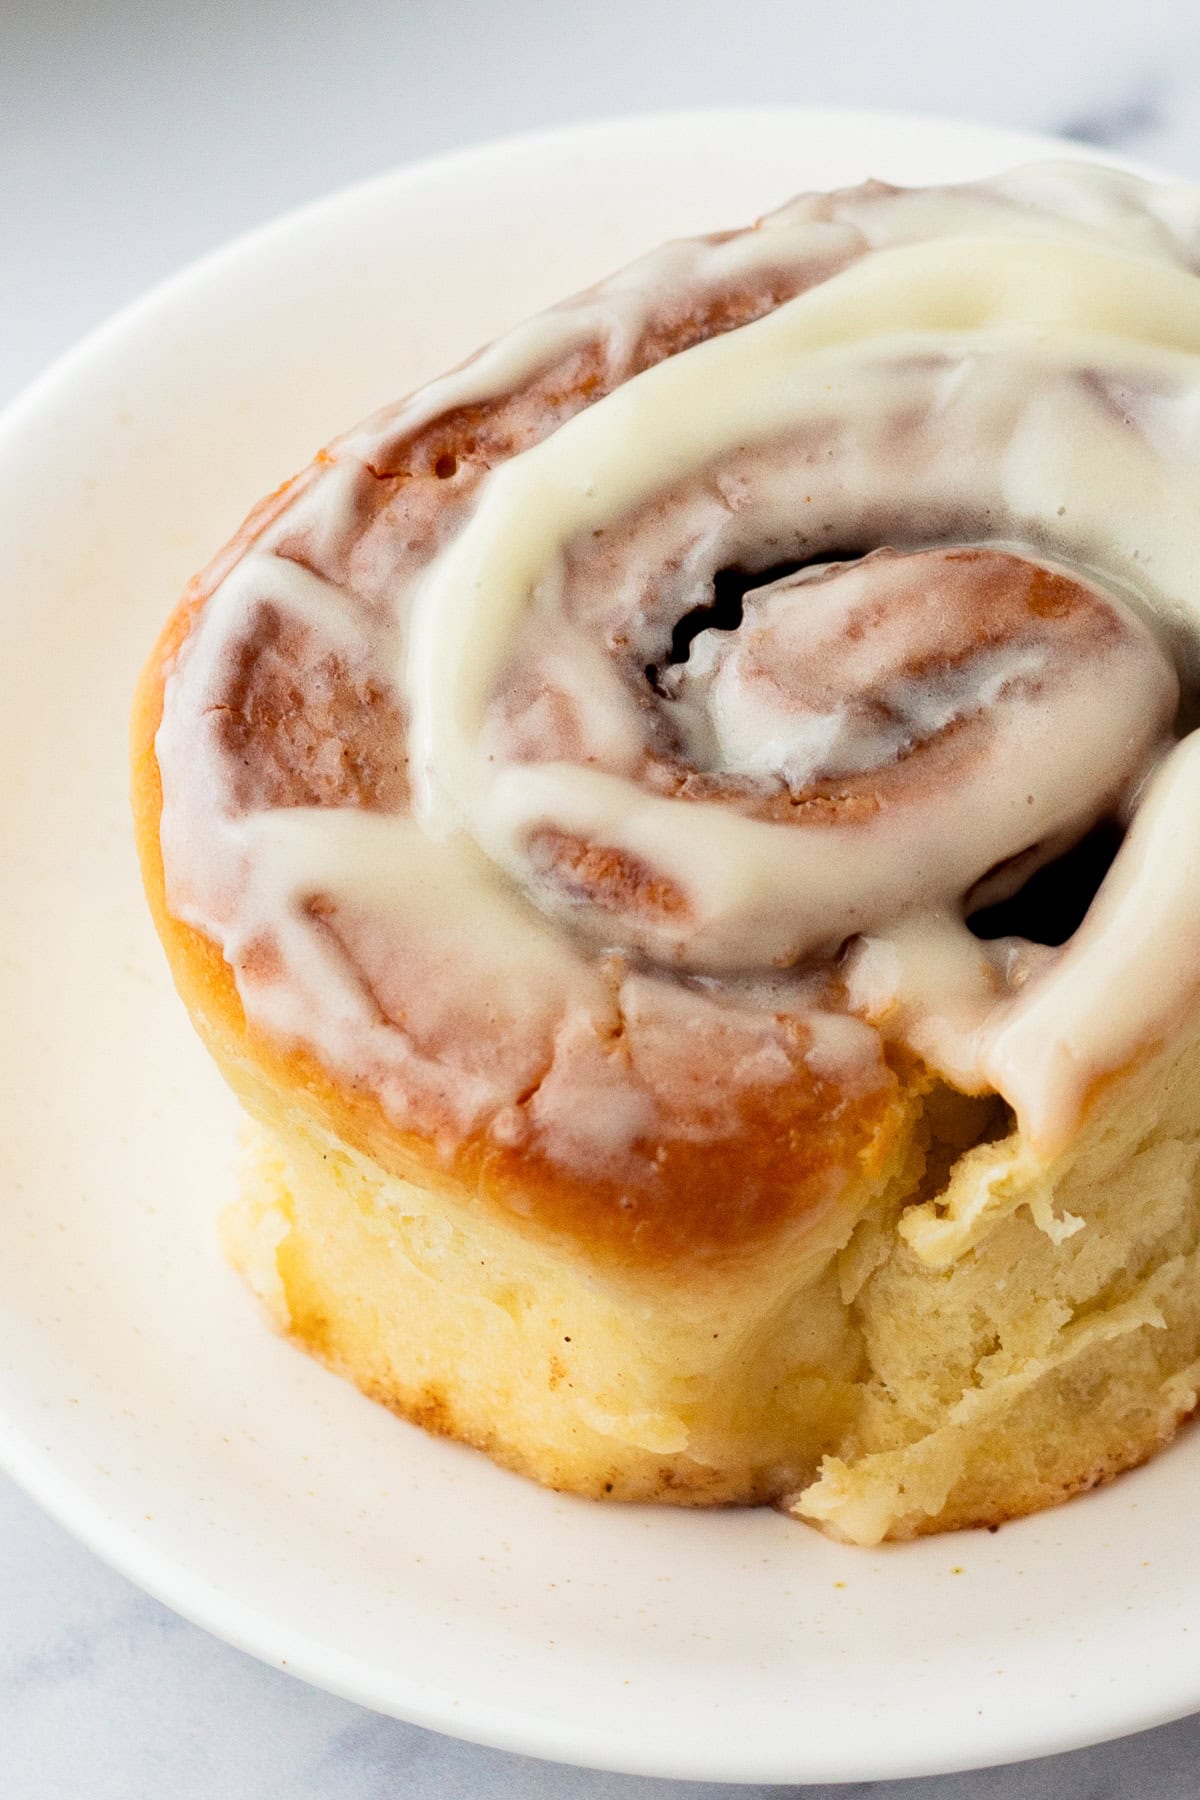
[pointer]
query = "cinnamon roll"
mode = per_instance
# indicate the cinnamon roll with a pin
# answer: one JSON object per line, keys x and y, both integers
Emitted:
{"x": 684, "y": 835}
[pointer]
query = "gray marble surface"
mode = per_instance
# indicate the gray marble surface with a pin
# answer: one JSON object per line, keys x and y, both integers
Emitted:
{"x": 137, "y": 134}
{"x": 105, "y": 1695}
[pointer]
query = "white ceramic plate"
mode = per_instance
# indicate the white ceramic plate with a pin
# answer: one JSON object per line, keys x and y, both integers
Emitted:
{"x": 141, "y": 1398}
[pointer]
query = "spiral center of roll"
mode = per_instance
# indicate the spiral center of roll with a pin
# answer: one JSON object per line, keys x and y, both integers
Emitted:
{"x": 908, "y": 729}
{"x": 871, "y": 738}
{"x": 847, "y": 669}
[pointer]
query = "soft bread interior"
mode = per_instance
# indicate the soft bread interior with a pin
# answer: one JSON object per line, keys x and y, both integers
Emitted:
{"x": 966, "y": 1337}
{"x": 1031, "y": 1332}
{"x": 702, "y": 1385}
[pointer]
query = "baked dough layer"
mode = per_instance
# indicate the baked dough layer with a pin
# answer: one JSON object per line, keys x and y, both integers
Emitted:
{"x": 966, "y": 1340}
{"x": 651, "y": 1214}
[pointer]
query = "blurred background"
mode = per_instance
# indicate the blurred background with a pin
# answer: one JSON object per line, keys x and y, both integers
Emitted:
{"x": 136, "y": 135}
{"x": 139, "y": 133}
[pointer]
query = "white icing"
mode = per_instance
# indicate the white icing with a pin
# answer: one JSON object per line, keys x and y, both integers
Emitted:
{"x": 615, "y": 314}
{"x": 207, "y": 887}
{"x": 814, "y": 232}
{"x": 1129, "y": 972}
{"x": 441, "y": 901}
{"x": 1031, "y": 1031}
{"x": 1014, "y": 364}
{"x": 743, "y": 715}
{"x": 758, "y": 892}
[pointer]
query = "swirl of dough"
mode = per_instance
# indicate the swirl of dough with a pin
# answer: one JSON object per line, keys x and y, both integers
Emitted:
{"x": 749, "y": 620}
{"x": 984, "y": 699}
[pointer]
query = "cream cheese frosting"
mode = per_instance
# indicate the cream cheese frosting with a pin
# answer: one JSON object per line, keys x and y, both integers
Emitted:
{"x": 966, "y": 428}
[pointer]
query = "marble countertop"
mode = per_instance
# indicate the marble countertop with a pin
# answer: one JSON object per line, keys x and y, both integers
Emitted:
{"x": 136, "y": 135}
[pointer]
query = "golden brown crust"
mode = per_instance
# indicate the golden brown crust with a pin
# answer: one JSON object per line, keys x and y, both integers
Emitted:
{"x": 743, "y": 1311}
{"x": 793, "y": 1147}
{"x": 627, "y": 1389}
{"x": 797, "y": 1147}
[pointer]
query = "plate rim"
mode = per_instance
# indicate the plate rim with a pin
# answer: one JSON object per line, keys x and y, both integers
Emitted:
{"x": 214, "y": 1607}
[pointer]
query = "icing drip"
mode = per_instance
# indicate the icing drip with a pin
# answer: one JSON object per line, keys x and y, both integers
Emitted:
{"x": 1002, "y": 384}
{"x": 981, "y": 742}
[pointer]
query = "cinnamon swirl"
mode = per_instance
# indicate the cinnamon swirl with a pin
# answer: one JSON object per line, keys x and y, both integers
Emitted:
{"x": 684, "y": 836}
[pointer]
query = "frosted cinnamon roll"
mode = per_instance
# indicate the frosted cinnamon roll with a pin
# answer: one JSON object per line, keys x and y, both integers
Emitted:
{"x": 683, "y": 835}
